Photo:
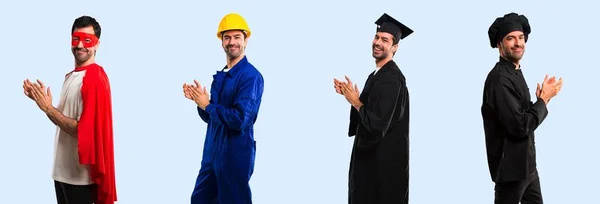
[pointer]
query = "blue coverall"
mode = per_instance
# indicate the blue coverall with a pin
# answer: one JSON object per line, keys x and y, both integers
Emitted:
{"x": 229, "y": 147}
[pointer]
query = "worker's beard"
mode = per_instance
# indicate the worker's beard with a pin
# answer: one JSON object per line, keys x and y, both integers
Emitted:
{"x": 234, "y": 50}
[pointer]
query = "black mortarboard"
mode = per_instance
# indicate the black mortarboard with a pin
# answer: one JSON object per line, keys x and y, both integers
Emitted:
{"x": 387, "y": 24}
{"x": 509, "y": 23}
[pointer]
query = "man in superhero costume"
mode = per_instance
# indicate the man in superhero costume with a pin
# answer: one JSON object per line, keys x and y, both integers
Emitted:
{"x": 83, "y": 171}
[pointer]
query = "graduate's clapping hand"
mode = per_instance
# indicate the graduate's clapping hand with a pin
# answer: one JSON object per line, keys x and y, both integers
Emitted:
{"x": 349, "y": 90}
{"x": 549, "y": 88}
{"x": 38, "y": 93}
{"x": 196, "y": 93}
{"x": 337, "y": 85}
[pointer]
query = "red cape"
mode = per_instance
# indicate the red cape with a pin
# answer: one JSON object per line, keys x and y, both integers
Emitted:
{"x": 95, "y": 132}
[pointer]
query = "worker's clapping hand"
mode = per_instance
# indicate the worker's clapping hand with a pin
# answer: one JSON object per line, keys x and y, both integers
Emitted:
{"x": 196, "y": 93}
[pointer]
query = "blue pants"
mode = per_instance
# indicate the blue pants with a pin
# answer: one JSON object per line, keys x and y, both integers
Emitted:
{"x": 225, "y": 180}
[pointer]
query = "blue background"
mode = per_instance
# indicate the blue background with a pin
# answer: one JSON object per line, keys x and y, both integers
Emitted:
{"x": 149, "y": 49}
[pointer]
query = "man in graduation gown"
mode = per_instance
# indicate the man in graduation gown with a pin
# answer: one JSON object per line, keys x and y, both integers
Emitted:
{"x": 84, "y": 171}
{"x": 235, "y": 98}
{"x": 379, "y": 120}
{"x": 510, "y": 117}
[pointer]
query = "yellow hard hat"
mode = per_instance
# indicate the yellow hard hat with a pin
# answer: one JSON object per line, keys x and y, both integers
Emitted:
{"x": 233, "y": 21}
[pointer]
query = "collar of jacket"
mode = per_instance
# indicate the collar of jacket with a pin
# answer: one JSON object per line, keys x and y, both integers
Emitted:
{"x": 508, "y": 64}
{"x": 236, "y": 68}
{"x": 384, "y": 68}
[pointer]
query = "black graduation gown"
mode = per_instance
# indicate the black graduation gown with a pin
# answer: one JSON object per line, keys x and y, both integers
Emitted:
{"x": 509, "y": 121}
{"x": 379, "y": 162}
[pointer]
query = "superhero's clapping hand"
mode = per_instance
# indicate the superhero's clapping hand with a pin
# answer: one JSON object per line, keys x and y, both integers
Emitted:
{"x": 39, "y": 93}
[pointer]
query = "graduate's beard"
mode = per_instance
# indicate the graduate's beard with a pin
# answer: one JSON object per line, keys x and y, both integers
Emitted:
{"x": 384, "y": 53}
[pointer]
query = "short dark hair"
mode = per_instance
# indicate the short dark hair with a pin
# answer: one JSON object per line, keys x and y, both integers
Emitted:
{"x": 85, "y": 21}
{"x": 243, "y": 31}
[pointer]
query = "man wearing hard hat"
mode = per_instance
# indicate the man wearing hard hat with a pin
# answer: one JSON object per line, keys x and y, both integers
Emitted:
{"x": 230, "y": 112}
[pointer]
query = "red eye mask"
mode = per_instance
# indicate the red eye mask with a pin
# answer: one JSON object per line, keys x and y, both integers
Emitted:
{"x": 88, "y": 40}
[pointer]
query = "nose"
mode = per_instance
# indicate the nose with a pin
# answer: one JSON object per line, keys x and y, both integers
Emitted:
{"x": 230, "y": 42}
{"x": 519, "y": 43}
{"x": 79, "y": 44}
{"x": 377, "y": 42}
